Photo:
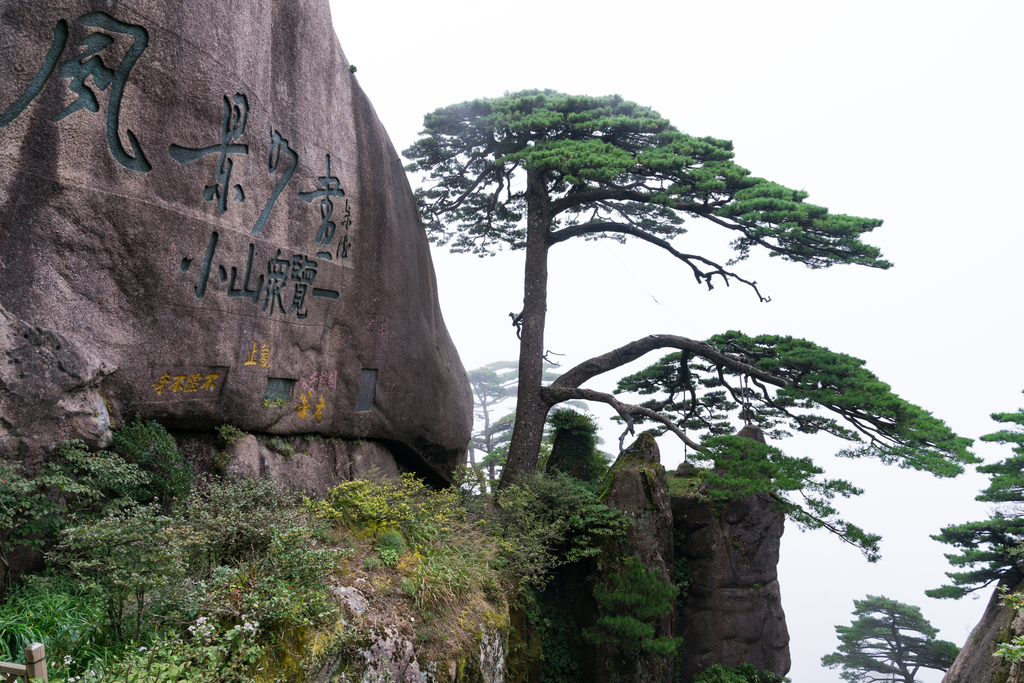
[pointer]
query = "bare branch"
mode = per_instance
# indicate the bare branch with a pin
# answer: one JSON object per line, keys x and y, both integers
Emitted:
{"x": 628, "y": 353}
{"x": 554, "y": 396}
{"x": 689, "y": 259}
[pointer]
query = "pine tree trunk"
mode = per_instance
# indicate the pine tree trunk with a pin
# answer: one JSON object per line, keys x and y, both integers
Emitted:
{"x": 531, "y": 409}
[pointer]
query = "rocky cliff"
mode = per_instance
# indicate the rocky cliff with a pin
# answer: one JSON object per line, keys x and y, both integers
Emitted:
{"x": 733, "y": 611}
{"x": 204, "y": 222}
{"x": 999, "y": 624}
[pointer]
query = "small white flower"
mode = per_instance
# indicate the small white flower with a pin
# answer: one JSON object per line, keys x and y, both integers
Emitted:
{"x": 68, "y": 660}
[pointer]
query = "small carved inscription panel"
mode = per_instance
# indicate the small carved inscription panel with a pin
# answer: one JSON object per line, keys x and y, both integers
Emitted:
{"x": 279, "y": 388}
{"x": 367, "y": 386}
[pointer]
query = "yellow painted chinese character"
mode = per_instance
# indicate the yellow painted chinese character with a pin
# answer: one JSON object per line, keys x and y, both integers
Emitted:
{"x": 320, "y": 405}
{"x": 264, "y": 356}
{"x": 193, "y": 382}
{"x": 179, "y": 382}
{"x": 208, "y": 384}
{"x": 303, "y": 408}
{"x": 252, "y": 356}
{"x": 162, "y": 383}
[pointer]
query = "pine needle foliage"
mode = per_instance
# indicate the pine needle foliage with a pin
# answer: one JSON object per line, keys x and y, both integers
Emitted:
{"x": 707, "y": 398}
{"x": 889, "y": 641}
{"x": 745, "y": 467}
{"x": 990, "y": 549}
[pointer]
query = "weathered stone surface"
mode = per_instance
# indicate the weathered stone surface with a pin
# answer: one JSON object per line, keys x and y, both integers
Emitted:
{"x": 733, "y": 612}
{"x": 315, "y": 466}
{"x": 199, "y": 202}
{"x": 49, "y": 391}
{"x": 975, "y": 663}
{"x": 638, "y": 487}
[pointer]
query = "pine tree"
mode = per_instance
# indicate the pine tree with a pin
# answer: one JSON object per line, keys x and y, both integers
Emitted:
{"x": 889, "y": 641}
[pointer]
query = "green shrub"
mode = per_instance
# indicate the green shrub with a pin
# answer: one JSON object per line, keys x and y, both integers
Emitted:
{"x": 744, "y": 673}
{"x": 235, "y": 518}
{"x": 75, "y": 483}
{"x": 390, "y": 546}
{"x": 129, "y": 558}
{"x": 552, "y": 519}
{"x": 148, "y": 445}
{"x": 208, "y": 587}
{"x": 632, "y": 601}
{"x": 229, "y": 436}
{"x": 279, "y": 445}
{"x": 405, "y": 505}
{"x": 574, "y": 446}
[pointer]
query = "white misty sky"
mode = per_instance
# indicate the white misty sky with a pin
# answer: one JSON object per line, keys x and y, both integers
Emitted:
{"x": 905, "y": 111}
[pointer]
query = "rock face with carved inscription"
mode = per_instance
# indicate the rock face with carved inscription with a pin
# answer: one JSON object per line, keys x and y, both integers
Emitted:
{"x": 202, "y": 211}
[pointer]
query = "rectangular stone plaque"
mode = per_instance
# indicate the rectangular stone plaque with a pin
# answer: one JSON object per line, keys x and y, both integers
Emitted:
{"x": 367, "y": 385}
{"x": 278, "y": 388}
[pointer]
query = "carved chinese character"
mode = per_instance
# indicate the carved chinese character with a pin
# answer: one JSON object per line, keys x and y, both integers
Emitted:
{"x": 179, "y": 382}
{"x": 320, "y": 405}
{"x": 80, "y": 67}
{"x": 232, "y": 128}
{"x": 162, "y": 383}
{"x": 252, "y": 355}
{"x": 330, "y": 187}
{"x": 277, "y": 277}
{"x": 192, "y": 384}
{"x": 204, "y": 274}
{"x": 303, "y": 272}
{"x": 278, "y": 146}
{"x": 244, "y": 291}
{"x": 303, "y": 407}
{"x": 209, "y": 383}
{"x": 265, "y": 356}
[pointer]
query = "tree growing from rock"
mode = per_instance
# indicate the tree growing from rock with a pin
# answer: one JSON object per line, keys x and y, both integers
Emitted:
{"x": 535, "y": 169}
{"x": 990, "y": 549}
{"x": 888, "y": 641}
{"x": 701, "y": 399}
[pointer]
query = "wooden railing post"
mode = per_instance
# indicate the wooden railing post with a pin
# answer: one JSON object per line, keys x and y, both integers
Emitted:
{"x": 35, "y": 661}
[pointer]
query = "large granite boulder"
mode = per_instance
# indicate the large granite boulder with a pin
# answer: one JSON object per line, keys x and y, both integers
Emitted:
{"x": 200, "y": 203}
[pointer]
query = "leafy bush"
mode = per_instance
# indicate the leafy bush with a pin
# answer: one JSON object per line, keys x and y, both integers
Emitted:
{"x": 279, "y": 445}
{"x": 229, "y": 436}
{"x": 406, "y": 505}
{"x": 632, "y": 601}
{"x": 208, "y": 586}
{"x": 574, "y": 446}
{"x": 235, "y": 519}
{"x": 76, "y": 482}
{"x": 744, "y": 673}
{"x": 148, "y": 445}
{"x": 450, "y": 560}
{"x": 549, "y": 521}
{"x": 127, "y": 556}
